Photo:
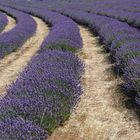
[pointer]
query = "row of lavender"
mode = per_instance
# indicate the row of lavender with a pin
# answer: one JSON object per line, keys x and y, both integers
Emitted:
{"x": 121, "y": 39}
{"x": 64, "y": 29}
{"x": 49, "y": 87}
{"x": 13, "y": 39}
{"x": 125, "y": 5}
{"x": 125, "y": 16}
{"x": 3, "y": 21}
{"x": 101, "y": 8}
{"x": 106, "y": 8}
{"x": 42, "y": 97}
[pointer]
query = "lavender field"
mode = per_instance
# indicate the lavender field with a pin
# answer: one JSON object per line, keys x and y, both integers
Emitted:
{"x": 70, "y": 70}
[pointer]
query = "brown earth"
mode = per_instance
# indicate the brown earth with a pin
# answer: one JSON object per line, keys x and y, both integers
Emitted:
{"x": 101, "y": 113}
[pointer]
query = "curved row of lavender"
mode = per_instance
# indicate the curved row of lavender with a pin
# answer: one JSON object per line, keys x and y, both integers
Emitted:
{"x": 124, "y": 16}
{"x": 3, "y": 21}
{"x": 48, "y": 88}
{"x": 121, "y": 39}
{"x": 105, "y": 8}
{"x": 100, "y": 8}
{"x": 127, "y": 13}
{"x": 43, "y": 95}
{"x": 125, "y": 10}
{"x": 65, "y": 30}
{"x": 125, "y": 5}
{"x": 13, "y": 39}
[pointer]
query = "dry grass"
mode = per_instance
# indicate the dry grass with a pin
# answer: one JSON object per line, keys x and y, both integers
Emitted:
{"x": 13, "y": 64}
{"x": 100, "y": 114}
{"x": 11, "y": 24}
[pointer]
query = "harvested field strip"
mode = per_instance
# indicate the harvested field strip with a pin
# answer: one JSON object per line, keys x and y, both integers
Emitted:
{"x": 11, "y": 24}
{"x": 13, "y": 64}
{"x": 101, "y": 113}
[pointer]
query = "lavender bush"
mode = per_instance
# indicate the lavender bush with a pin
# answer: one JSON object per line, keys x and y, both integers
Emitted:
{"x": 46, "y": 90}
{"x": 127, "y": 12}
{"x": 17, "y": 129}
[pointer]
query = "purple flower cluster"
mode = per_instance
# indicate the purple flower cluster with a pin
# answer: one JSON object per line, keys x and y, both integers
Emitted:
{"x": 45, "y": 91}
{"x": 64, "y": 34}
{"x": 26, "y": 26}
{"x": 127, "y": 12}
{"x": 17, "y": 129}
{"x": 64, "y": 31}
{"x": 3, "y": 21}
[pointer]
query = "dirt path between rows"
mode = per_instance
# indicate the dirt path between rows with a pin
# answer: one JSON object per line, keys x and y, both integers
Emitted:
{"x": 11, "y": 24}
{"x": 13, "y": 64}
{"x": 101, "y": 113}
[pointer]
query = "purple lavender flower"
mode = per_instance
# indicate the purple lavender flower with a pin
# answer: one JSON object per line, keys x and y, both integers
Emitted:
{"x": 13, "y": 129}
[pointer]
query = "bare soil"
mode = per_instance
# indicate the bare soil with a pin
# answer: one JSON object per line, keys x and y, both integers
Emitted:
{"x": 11, "y": 24}
{"x": 101, "y": 113}
{"x": 14, "y": 63}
